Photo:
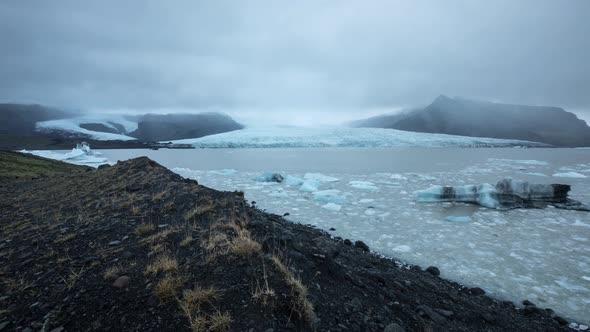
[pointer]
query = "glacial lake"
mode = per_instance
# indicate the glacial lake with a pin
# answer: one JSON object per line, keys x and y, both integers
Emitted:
{"x": 539, "y": 255}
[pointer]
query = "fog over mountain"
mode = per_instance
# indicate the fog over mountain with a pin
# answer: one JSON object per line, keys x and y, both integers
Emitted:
{"x": 293, "y": 62}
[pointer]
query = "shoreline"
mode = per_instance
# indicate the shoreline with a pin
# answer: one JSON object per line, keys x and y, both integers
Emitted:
{"x": 372, "y": 292}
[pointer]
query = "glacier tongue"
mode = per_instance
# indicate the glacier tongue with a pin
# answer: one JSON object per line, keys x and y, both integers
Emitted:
{"x": 272, "y": 137}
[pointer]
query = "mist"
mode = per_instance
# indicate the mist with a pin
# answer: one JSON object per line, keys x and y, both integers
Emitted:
{"x": 307, "y": 62}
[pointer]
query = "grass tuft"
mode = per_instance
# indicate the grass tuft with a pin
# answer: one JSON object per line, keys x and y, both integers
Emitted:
{"x": 144, "y": 229}
{"x": 301, "y": 304}
{"x": 162, "y": 263}
{"x": 167, "y": 288}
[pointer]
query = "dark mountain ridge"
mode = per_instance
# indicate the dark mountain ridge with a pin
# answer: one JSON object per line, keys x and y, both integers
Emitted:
{"x": 459, "y": 116}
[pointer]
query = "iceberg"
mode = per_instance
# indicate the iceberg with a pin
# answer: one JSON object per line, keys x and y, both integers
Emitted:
{"x": 293, "y": 181}
{"x": 332, "y": 207}
{"x": 506, "y": 194}
{"x": 281, "y": 137}
{"x": 80, "y": 155}
{"x": 270, "y": 177}
{"x": 310, "y": 185}
{"x": 329, "y": 196}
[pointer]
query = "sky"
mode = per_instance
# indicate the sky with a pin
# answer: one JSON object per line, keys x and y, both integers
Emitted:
{"x": 305, "y": 61}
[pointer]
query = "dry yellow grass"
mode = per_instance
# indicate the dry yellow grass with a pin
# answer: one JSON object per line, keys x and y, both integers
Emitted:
{"x": 301, "y": 304}
{"x": 198, "y": 323}
{"x": 65, "y": 238}
{"x": 199, "y": 210}
{"x": 160, "y": 236}
{"x": 188, "y": 239}
{"x": 194, "y": 299}
{"x": 144, "y": 229}
{"x": 220, "y": 321}
{"x": 167, "y": 288}
{"x": 162, "y": 263}
{"x": 244, "y": 245}
{"x": 113, "y": 272}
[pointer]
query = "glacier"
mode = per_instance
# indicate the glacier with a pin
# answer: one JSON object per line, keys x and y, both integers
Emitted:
{"x": 72, "y": 125}
{"x": 274, "y": 137}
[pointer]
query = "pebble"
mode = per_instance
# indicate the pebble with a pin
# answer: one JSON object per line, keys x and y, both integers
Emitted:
{"x": 393, "y": 327}
{"x": 57, "y": 329}
{"x": 162, "y": 225}
{"x": 433, "y": 270}
{"x": 121, "y": 282}
{"x": 583, "y": 327}
{"x": 361, "y": 245}
{"x": 476, "y": 291}
{"x": 114, "y": 243}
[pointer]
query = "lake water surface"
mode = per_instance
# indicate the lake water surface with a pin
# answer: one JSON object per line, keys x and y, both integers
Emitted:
{"x": 540, "y": 255}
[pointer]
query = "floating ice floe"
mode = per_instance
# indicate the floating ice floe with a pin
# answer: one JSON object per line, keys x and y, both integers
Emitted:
{"x": 320, "y": 177}
{"x": 575, "y": 175}
{"x": 332, "y": 207}
{"x": 80, "y": 155}
{"x": 363, "y": 185}
{"x": 330, "y": 196}
{"x": 458, "y": 219}
{"x": 310, "y": 185}
{"x": 293, "y": 181}
{"x": 226, "y": 171}
{"x": 507, "y": 194}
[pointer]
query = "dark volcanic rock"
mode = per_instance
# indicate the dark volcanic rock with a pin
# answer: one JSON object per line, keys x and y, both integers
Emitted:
{"x": 433, "y": 270}
{"x": 361, "y": 245}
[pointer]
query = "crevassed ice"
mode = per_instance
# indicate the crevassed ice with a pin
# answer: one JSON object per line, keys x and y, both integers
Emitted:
{"x": 340, "y": 137}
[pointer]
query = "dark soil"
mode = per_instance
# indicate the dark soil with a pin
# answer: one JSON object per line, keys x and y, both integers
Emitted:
{"x": 77, "y": 253}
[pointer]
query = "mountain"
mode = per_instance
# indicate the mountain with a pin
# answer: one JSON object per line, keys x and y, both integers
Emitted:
{"x": 20, "y": 119}
{"x": 459, "y": 116}
{"x": 24, "y": 126}
{"x": 165, "y": 127}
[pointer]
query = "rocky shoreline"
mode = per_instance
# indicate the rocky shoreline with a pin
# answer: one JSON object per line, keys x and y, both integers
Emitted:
{"x": 136, "y": 247}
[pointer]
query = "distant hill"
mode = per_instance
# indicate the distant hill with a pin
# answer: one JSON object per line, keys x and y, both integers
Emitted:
{"x": 20, "y": 119}
{"x": 168, "y": 127}
{"x": 24, "y": 126}
{"x": 459, "y": 116}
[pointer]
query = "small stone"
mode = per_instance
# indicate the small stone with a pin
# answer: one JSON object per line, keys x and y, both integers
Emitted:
{"x": 560, "y": 320}
{"x": 433, "y": 270}
{"x": 153, "y": 301}
{"x": 393, "y": 327}
{"x": 532, "y": 309}
{"x": 583, "y": 327}
{"x": 114, "y": 243}
{"x": 476, "y": 291}
{"x": 269, "y": 330}
{"x": 347, "y": 242}
{"x": 446, "y": 313}
{"x": 361, "y": 245}
{"x": 356, "y": 304}
{"x": 162, "y": 225}
{"x": 433, "y": 315}
{"x": 3, "y": 325}
{"x": 285, "y": 214}
{"x": 121, "y": 282}
{"x": 28, "y": 329}
{"x": 125, "y": 237}
{"x": 57, "y": 329}
{"x": 332, "y": 229}
{"x": 527, "y": 302}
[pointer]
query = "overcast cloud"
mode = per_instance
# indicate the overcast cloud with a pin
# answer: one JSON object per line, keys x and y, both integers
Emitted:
{"x": 293, "y": 56}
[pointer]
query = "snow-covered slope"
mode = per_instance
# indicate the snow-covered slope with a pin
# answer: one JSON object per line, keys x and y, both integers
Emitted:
{"x": 72, "y": 125}
{"x": 265, "y": 137}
